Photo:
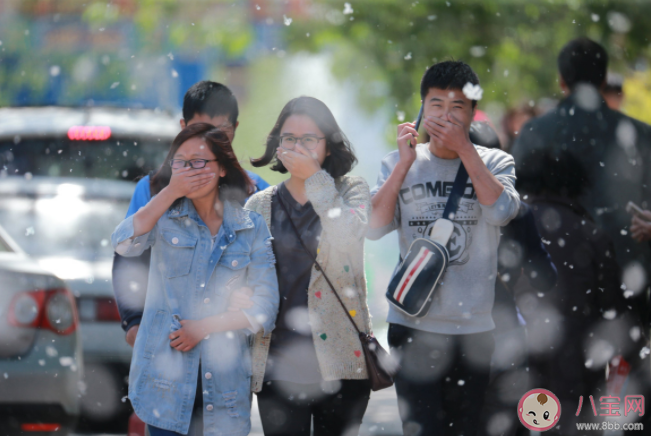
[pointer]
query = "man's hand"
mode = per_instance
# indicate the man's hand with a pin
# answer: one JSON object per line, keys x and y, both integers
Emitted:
{"x": 300, "y": 162}
{"x": 186, "y": 180}
{"x": 641, "y": 227}
{"x": 188, "y": 336}
{"x": 240, "y": 299}
{"x": 448, "y": 132}
{"x": 131, "y": 335}
{"x": 385, "y": 200}
{"x": 407, "y": 135}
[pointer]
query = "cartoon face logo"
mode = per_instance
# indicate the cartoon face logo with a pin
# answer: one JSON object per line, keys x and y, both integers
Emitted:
{"x": 539, "y": 410}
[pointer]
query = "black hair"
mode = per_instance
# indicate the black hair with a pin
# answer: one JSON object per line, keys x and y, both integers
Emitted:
{"x": 234, "y": 186}
{"x": 341, "y": 159}
{"x": 210, "y": 98}
{"x": 583, "y": 61}
{"x": 448, "y": 75}
{"x": 481, "y": 133}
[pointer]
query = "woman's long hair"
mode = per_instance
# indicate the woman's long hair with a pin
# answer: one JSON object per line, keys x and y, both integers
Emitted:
{"x": 341, "y": 159}
{"x": 234, "y": 186}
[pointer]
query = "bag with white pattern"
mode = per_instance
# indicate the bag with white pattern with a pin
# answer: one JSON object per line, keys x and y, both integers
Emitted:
{"x": 412, "y": 287}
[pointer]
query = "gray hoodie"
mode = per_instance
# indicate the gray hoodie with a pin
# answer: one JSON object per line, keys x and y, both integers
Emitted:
{"x": 464, "y": 300}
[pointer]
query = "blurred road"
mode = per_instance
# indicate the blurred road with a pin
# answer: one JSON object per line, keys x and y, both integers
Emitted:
{"x": 381, "y": 416}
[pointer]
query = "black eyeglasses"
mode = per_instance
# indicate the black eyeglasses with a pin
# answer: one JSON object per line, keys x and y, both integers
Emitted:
{"x": 197, "y": 164}
{"x": 310, "y": 142}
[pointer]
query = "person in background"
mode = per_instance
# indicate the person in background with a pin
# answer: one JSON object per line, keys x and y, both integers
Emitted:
{"x": 611, "y": 150}
{"x": 481, "y": 133}
{"x": 190, "y": 370}
{"x": 205, "y": 102}
{"x": 641, "y": 227}
{"x": 577, "y": 328}
{"x": 521, "y": 256}
{"x": 613, "y": 91}
{"x": 446, "y": 354}
{"x": 513, "y": 121}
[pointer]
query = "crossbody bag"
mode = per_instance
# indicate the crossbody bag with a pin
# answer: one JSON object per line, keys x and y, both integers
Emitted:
{"x": 411, "y": 289}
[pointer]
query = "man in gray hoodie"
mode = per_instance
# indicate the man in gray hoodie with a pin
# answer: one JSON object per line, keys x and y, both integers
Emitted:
{"x": 445, "y": 355}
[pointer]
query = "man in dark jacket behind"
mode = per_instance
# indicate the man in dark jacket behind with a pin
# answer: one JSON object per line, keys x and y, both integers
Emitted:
{"x": 612, "y": 149}
{"x": 584, "y": 323}
{"x": 610, "y": 152}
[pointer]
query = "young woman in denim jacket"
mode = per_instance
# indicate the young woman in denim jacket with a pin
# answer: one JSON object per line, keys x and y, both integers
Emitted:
{"x": 312, "y": 368}
{"x": 191, "y": 366}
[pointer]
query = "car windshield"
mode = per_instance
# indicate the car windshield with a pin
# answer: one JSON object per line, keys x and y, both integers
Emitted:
{"x": 112, "y": 159}
{"x": 63, "y": 225}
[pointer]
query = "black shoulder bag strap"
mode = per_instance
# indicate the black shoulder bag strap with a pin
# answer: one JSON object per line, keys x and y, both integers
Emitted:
{"x": 458, "y": 188}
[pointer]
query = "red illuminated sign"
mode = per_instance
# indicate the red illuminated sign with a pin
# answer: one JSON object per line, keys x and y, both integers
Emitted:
{"x": 89, "y": 133}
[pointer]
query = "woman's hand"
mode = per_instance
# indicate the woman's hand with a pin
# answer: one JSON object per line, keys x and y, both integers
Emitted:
{"x": 240, "y": 299}
{"x": 187, "y": 180}
{"x": 300, "y": 162}
{"x": 188, "y": 336}
{"x": 641, "y": 227}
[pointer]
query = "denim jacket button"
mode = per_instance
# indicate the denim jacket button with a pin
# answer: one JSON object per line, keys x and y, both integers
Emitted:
{"x": 206, "y": 300}
{"x": 175, "y": 241}
{"x": 209, "y": 407}
{"x": 208, "y": 376}
{"x": 234, "y": 263}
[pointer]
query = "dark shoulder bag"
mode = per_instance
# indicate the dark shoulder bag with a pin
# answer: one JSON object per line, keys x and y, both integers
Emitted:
{"x": 379, "y": 364}
{"x": 412, "y": 287}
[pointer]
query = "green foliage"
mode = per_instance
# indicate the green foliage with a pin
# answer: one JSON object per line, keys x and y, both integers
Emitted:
{"x": 221, "y": 25}
{"x": 637, "y": 96}
{"x": 512, "y": 45}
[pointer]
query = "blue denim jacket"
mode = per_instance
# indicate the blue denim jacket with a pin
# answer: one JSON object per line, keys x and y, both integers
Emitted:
{"x": 188, "y": 280}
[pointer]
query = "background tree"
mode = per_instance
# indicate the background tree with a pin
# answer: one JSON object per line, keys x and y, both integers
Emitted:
{"x": 385, "y": 45}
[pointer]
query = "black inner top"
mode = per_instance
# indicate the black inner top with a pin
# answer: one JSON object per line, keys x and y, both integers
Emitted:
{"x": 292, "y": 356}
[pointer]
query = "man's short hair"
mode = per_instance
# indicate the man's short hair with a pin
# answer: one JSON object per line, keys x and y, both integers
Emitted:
{"x": 448, "y": 75}
{"x": 583, "y": 61}
{"x": 210, "y": 98}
